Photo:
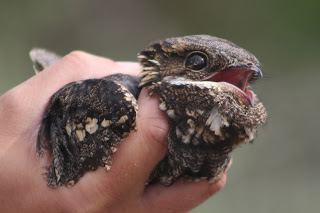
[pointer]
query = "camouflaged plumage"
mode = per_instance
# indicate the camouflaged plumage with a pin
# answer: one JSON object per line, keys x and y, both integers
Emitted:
{"x": 203, "y": 86}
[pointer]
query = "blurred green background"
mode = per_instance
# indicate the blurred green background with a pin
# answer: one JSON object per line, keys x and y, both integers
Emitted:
{"x": 280, "y": 171}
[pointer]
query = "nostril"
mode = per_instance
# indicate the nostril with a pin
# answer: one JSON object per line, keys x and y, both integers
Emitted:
{"x": 249, "y": 64}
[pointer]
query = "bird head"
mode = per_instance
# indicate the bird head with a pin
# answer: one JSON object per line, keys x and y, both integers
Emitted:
{"x": 201, "y": 58}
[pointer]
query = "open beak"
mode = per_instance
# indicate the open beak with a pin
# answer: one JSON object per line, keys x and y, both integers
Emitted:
{"x": 239, "y": 78}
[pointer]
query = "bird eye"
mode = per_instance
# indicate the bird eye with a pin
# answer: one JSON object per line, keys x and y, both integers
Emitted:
{"x": 196, "y": 61}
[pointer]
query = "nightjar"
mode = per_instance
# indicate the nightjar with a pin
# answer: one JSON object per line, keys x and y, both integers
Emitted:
{"x": 202, "y": 83}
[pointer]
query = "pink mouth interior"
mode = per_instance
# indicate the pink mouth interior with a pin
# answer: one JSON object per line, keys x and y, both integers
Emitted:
{"x": 237, "y": 77}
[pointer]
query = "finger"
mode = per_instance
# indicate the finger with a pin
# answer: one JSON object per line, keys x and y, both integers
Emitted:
{"x": 148, "y": 144}
{"x": 131, "y": 68}
{"x": 141, "y": 151}
{"x": 181, "y": 196}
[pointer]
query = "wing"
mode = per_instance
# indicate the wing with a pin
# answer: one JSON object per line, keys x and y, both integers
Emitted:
{"x": 207, "y": 120}
{"x": 207, "y": 112}
{"x": 84, "y": 123}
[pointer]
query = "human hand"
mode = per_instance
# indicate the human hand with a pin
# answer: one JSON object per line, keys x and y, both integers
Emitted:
{"x": 122, "y": 189}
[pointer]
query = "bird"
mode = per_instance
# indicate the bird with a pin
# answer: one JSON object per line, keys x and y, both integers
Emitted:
{"x": 202, "y": 84}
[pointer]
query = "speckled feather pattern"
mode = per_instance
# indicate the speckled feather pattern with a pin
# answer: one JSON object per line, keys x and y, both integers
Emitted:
{"x": 207, "y": 122}
{"x": 86, "y": 121}
{"x": 84, "y": 125}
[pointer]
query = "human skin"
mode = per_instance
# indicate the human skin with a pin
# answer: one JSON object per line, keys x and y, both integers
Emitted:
{"x": 23, "y": 187}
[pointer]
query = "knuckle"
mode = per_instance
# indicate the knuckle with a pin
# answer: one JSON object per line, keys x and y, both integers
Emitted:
{"x": 78, "y": 54}
{"x": 155, "y": 130}
{"x": 89, "y": 65}
{"x": 83, "y": 57}
{"x": 78, "y": 57}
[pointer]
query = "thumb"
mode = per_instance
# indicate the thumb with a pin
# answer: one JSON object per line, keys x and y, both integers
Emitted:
{"x": 152, "y": 130}
{"x": 146, "y": 147}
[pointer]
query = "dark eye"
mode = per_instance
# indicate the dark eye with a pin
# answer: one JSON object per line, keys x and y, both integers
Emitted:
{"x": 196, "y": 61}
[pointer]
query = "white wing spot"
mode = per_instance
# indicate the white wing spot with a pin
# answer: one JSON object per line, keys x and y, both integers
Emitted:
{"x": 186, "y": 139}
{"x": 191, "y": 123}
{"x": 128, "y": 99}
{"x": 68, "y": 129}
{"x": 122, "y": 119}
{"x": 81, "y": 134}
{"x": 163, "y": 106}
{"x": 170, "y": 113}
{"x": 178, "y": 132}
{"x": 200, "y": 112}
{"x": 113, "y": 149}
{"x": 57, "y": 175}
{"x": 105, "y": 123}
{"x": 91, "y": 125}
{"x": 216, "y": 122}
{"x": 70, "y": 183}
{"x": 107, "y": 168}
